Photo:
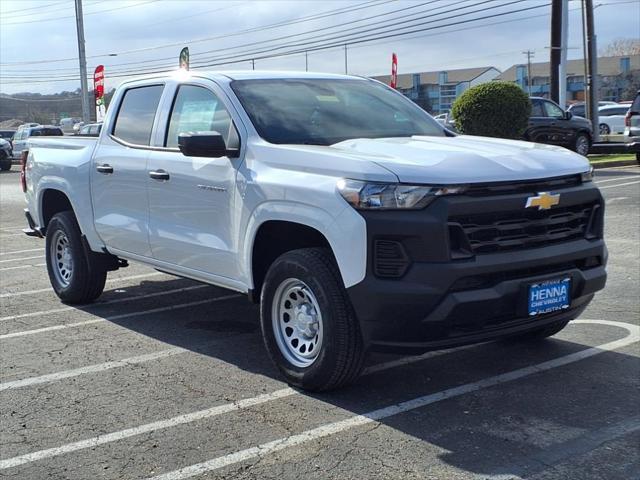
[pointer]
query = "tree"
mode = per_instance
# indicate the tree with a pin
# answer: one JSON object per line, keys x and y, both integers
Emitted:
{"x": 494, "y": 109}
{"x": 621, "y": 47}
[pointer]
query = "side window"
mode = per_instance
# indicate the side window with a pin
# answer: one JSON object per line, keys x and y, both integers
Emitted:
{"x": 197, "y": 109}
{"x": 136, "y": 114}
{"x": 537, "y": 110}
{"x": 553, "y": 110}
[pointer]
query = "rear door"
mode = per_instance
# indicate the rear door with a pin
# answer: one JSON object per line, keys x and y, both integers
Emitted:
{"x": 190, "y": 219}
{"x": 119, "y": 172}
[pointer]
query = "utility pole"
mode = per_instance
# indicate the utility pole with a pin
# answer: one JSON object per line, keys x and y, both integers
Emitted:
{"x": 345, "y": 59}
{"x": 564, "y": 40}
{"x": 592, "y": 69}
{"x": 83, "y": 63}
{"x": 555, "y": 49}
{"x": 306, "y": 61}
{"x": 529, "y": 54}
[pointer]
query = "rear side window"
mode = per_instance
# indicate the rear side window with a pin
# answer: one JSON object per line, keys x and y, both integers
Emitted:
{"x": 136, "y": 114}
{"x": 46, "y": 132}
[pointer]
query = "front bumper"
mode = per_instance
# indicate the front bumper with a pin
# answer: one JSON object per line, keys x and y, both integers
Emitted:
{"x": 442, "y": 302}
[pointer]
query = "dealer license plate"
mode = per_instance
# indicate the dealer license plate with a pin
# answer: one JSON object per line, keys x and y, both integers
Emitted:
{"x": 549, "y": 296}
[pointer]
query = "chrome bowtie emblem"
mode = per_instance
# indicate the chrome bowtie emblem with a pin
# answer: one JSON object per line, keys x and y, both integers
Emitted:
{"x": 544, "y": 201}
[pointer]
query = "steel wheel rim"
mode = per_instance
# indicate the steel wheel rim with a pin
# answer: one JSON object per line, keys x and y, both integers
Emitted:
{"x": 61, "y": 258}
{"x": 297, "y": 322}
{"x": 582, "y": 146}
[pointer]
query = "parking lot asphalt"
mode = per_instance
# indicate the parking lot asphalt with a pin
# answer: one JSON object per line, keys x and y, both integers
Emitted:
{"x": 166, "y": 378}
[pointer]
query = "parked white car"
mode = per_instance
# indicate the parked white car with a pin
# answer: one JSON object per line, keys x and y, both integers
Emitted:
{"x": 611, "y": 119}
{"x": 354, "y": 219}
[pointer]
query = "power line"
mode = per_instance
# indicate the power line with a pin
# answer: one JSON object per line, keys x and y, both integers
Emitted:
{"x": 313, "y": 40}
{"x": 39, "y": 7}
{"x": 358, "y": 40}
{"x": 43, "y": 10}
{"x": 317, "y": 16}
{"x": 90, "y": 13}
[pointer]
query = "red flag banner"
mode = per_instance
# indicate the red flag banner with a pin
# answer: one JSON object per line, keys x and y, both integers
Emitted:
{"x": 98, "y": 88}
{"x": 394, "y": 70}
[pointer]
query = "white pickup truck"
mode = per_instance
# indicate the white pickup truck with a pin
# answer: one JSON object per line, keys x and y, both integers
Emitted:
{"x": 355, "y": 220}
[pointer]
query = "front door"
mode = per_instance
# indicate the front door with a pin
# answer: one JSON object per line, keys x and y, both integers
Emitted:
{"x": 539, "y": 129}
{"x": 560, "y": 130}
{"x": 119, "y": 173}
{"x": 191, "y": 198}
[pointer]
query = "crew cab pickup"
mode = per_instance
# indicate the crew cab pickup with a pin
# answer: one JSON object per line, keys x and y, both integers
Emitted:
{"x": 354, "y": 218}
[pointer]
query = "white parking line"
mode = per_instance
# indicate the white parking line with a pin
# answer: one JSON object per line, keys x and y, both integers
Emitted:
{"x": 48, "y": 289}
{"x": 616, "y": 179}
{"x": 113, "y": 317}
{"x": 180, "y": 419}
{"x": 23, "y": 251}
{"x": 100, "y": 367}
{"x": 99, "y": 304}
{"x": 265, "y": 449}
{"x": 23, "y": 266}
{"x": 619, "y": 185}
{"x": 633, "y": 336}
{"x": 20, "y": 259}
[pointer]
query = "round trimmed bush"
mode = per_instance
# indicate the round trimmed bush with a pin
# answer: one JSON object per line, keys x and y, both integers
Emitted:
{"x": 494, "y": 109}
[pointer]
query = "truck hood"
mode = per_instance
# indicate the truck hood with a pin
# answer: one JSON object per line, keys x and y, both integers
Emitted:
{"x": 465, "y": 159}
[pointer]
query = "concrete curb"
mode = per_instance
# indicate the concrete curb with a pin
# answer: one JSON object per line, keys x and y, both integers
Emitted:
{"x": 616, "y": 163}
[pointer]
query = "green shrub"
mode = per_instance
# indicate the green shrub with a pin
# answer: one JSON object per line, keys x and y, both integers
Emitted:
{"x": 494, "y": 109}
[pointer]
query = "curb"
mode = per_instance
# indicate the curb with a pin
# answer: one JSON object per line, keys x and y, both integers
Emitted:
{"x": 615, "y": 163}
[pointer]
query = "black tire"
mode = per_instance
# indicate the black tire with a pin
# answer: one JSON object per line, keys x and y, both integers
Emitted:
{"x": 604, "y": 129}
{"x": 342, "y": 352}
{"x": 638, "y": 158}
{"x": 5, "y": 162}
{"x": 581, "y": 142}
{"x": 86, "y": 279}
{"x": 544, "y": 332}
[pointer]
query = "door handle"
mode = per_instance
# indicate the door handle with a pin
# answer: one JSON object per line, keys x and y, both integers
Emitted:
{"x": 105, "y": 168}
{"x": 159, "y": 175}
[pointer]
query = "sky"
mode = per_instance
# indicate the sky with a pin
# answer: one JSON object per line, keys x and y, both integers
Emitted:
{"x": 39, "y": 51}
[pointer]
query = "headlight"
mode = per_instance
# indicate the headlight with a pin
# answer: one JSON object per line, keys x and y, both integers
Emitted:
{"x": 391, "y": 196}
{"x": 587, "y": 176}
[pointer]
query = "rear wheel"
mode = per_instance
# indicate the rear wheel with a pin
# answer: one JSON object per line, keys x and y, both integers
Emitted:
{"x": 5, "y": 162}
{"x": 308, "y": 324}
{"x": 74, "y": 275}
{"x": 604, "y": 129}
{"x": 582, "y": 144}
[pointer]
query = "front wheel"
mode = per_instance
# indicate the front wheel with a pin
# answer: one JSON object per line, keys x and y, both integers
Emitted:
{"x": 74, "y": 276}
{"x": 308, "y": 324}
{"x": 604, "y": 129}
{"x": 582, "y": 144}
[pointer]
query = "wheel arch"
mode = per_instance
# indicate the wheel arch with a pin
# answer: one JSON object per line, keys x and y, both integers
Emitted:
{"x": 275, "y": 229}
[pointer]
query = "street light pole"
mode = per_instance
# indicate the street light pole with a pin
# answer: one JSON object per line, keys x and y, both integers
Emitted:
{"x": 86, "y": 116}
{"x": 345, "y": 59}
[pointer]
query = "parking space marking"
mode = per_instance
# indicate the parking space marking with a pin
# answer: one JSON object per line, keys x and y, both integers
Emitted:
{"x": 20, "y": 259}
{"x": 609, "y": 201}
{"x": 194, "y": 416}
{"x": 23, "y": 251}
{"x": 100, "y": 367}
{"x": 98, "y": 304}
{"x": 616, "y": 179}
{"x": 326, "y": 430}
{"x": 23, "y": 266}
{"x": 114, "y": 317}
{"x": 619, "y": 185}
{"x": 49, "y": 289}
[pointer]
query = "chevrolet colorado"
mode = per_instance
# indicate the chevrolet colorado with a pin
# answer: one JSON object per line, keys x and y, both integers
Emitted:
{"x": 355, "y": 220}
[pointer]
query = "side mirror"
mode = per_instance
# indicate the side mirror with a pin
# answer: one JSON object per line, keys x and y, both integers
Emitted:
{"x": 568, "y": 115}
{"x": 202, "y": 144}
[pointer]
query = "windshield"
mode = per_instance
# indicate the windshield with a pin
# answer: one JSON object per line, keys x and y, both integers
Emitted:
{"x": 328, "y": 111}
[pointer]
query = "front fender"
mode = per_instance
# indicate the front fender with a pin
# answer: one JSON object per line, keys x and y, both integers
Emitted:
{"x": 345, "y": 230}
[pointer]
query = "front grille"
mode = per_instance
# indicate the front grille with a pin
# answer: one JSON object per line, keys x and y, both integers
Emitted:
{"x": 529, "y": 186}
{"x": 513, "y": 230}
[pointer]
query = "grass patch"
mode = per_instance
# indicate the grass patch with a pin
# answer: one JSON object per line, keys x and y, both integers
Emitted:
{"x": 611, "y": 158}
